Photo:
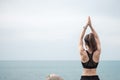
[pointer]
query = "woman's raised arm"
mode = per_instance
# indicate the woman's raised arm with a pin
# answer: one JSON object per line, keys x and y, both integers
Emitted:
{"x": 95, "y": 34}
{"x": 81, "y": 37}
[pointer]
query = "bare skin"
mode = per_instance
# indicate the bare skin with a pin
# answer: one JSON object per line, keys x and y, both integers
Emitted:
{"x": 83, "y": 54}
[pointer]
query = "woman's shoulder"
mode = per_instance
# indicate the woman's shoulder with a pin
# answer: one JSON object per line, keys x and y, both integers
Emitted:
{"x": 83, "y": 52}
{"x": 97, "y": 52}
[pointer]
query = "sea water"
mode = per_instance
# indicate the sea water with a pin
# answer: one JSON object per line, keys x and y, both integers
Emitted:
{"x": 69, "y": 70}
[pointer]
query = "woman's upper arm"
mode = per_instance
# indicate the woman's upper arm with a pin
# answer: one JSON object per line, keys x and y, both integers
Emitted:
{"x": 98, "y": 44}
{"x": 81, "y": 48}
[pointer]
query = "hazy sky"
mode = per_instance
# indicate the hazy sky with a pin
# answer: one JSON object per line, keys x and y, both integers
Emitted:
{"x": 50, "y": 29}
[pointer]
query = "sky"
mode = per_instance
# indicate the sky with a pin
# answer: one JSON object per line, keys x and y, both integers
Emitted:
{"x": 50, "y": 29}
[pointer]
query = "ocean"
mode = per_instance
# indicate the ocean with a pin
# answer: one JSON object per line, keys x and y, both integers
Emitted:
{"x": 69, "y": 70}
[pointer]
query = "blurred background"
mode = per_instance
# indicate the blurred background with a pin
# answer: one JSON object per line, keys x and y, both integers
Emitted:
{"x": 50, "y": 29}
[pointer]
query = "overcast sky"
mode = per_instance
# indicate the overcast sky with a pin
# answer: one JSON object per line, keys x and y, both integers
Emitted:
{"x": 50, "y": 29}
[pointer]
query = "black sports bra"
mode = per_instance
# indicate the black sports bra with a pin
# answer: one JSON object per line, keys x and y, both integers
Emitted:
{"x": 90, "y": 64}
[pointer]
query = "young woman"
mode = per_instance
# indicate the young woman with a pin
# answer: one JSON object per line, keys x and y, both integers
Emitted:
{"x": 90, "y": 54}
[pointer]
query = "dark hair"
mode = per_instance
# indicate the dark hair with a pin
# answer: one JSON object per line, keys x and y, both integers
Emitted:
{"x": 91, "y": 42}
